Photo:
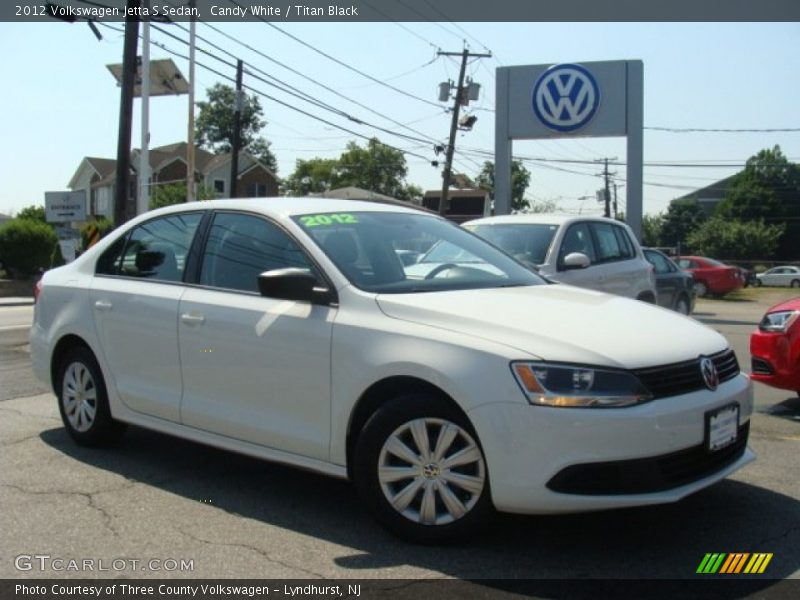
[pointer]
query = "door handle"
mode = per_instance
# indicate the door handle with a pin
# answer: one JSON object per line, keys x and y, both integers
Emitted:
{"x": 191, "y": 319}
{"x": 103, "y": 305}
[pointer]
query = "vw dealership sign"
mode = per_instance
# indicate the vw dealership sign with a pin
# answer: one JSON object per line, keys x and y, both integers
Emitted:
{"x": 591, "y": 99}
{"x": 566, "y": 97}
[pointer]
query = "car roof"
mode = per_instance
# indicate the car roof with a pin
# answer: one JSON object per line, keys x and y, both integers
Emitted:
{"x": 287, "y": 206}
{"x": 542, "y": 218}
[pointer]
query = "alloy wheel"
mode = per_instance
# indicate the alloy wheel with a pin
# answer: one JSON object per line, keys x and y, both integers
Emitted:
{"x": 79, "y": 396}
{"x": 431, "y": 471}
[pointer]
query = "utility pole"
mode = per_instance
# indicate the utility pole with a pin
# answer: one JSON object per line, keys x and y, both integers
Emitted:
{"x": 190, "y": 154}
{"x": 121, "y": 191}
{"x": 606, "y": 189}
{"x": 143, "y": 198}
{"x": 616, "y": 213}
{"x": 459, "y": 99}
{"x": 237, "y": 128}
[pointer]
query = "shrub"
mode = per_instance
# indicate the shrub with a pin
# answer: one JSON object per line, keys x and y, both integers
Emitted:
{"x": 26, "y": 246}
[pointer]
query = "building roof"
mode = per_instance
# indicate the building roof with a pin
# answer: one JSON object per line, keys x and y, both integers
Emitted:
{"x": 357, "y": 193}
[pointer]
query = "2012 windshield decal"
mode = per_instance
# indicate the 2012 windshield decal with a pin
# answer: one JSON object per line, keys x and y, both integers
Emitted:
{"x": 328, "y": 219}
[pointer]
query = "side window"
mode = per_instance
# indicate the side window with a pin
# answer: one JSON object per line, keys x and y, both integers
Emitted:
{"x": 658, "y": 261}
{"x": 577, "y": 239}
{"x": 241, "y": 247}
{"x": 685, "y": 263}
{"x": 625, "y": 244}
{"x": 608, "y": 246}
{"x": 109, "y": 261}
{"x": 157, "y": 249}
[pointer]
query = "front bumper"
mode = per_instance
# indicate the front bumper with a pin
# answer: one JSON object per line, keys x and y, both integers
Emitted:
{"x": 776, "y": 360}
{"x": 526, "y": 447}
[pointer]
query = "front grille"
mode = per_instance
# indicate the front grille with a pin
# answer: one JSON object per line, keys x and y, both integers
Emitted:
{"x": 646, "y": 475}
{"x": 761, "y": 366}
{"x": 684, "y": 377}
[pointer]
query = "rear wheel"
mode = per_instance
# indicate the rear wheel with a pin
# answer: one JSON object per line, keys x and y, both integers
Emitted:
{"x": 795, "y": 283}
{"x": 420, "y": 469}
{"x": 83, "y": 401}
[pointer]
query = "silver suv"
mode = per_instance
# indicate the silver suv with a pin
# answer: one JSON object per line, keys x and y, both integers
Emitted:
{"x": 592, "y": 252}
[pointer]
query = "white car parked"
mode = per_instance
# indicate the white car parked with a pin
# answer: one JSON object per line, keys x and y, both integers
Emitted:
{"x": 592, "y": 252}
{"x": 780, "y": 276}
{"x": 290, "y": 329}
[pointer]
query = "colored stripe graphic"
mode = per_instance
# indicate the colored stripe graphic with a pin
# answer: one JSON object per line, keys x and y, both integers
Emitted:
{"x": 758, "y": 563}
{"x": 733, "y": 563}
{"x": 711, "y": 563}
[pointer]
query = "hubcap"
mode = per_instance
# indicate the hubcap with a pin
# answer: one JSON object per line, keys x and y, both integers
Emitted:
{"x": 79, "y": 397}
{"x": 431, "y": 471}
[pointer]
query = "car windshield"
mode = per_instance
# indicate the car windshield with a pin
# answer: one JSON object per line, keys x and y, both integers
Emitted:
{"x": 372, "y": 249}
{"x": 527, "y": 242}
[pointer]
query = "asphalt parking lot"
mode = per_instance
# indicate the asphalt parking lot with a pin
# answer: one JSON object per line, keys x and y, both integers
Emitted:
{"x": 155, "y": 498}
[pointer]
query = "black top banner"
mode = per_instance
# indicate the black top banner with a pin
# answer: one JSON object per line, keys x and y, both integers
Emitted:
{"x": 401, "y": 10}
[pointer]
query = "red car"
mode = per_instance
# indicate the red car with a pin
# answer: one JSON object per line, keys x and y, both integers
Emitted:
{"x": 711, "y": 276}
{"x": 775, "y": 347}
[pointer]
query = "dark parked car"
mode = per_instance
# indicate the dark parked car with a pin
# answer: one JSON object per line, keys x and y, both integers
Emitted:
{"x": 675, "y": 288}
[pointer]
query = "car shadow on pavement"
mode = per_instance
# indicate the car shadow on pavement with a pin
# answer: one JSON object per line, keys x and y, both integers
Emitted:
{"x": 664, "y": 542}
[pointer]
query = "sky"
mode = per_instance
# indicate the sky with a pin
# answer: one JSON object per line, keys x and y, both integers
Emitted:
{"x": 61, "y": 103}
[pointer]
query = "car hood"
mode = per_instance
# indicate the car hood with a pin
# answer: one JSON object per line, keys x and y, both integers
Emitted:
{"x": 562, "y": 323}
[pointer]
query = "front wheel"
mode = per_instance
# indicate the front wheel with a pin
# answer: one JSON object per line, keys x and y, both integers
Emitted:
{"x": 700, "y": 288}
{"x": 682, "y": 306}
{"x": 421, "y": 470}
{"x": 83, "y": 401}
{"x": 795, "y": 283}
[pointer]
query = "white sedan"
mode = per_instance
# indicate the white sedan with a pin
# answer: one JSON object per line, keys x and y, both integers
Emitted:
{"x": 780, "y": 276}
{"x": 290, "y": 329}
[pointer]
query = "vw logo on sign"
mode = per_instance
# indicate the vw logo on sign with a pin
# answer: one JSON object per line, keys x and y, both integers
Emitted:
{"x": 709, "y": 372}
{"x": 566, "y": 97}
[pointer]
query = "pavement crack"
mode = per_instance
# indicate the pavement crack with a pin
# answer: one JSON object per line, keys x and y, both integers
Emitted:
{"x": 91, "y": 501}
{"x": 27, "y": 414}
{"x": 33, "y": 436}
{"x": 265, "y": 555}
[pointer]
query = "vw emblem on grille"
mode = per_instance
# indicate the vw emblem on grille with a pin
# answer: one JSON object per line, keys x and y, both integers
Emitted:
{"x": 566, "y": 97}
{"x": 709, "y": 373}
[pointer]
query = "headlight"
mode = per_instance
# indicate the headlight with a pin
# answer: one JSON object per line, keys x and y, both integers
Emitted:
{"x": 778, "y": 321}
{"x": 578, "y": 387}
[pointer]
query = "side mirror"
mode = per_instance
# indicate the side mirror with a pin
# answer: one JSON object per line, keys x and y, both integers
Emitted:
{"x": 576, "y": 260}
{"x": 293, "y": 284}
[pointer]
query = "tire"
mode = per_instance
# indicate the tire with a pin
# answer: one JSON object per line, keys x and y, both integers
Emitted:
{"x": 682, "y": 305}
{"x": 83, "y": 400}
{"x": 795, "y": 283}
{"x": 416, "y": 496}
{"x": 758, "y": 283}
{"x": 700, "y": 288}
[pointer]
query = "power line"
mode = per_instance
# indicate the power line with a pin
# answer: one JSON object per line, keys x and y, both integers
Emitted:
{"x": 339, "y": 62}
{"x": 720, "y": 130}
{"x": 312, "y": 80}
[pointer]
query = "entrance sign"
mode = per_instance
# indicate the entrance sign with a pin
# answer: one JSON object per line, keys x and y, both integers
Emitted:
{"x": 591, "y": 99}
{"x": 64, "y": 207}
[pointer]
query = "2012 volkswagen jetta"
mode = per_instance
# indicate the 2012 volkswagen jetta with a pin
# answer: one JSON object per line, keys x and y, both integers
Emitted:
{"x": 290, "y": 329}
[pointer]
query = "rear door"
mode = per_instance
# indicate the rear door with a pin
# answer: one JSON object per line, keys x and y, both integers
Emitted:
{"x": 134, "y": 298}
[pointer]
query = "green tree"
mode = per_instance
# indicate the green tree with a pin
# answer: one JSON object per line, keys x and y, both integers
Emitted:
{"x": 375, "y": 167}
{"x": 175, "y": 193}
{"x": 682, "y": 218}
{"x": 768, "y": 189}
{"x": 33, "y": 213}
{"x": 736, "y": 240}
{"x": 520, "y": 180}
{"x": 215, "y": 122}
{"x": 310, "y": 176}
{"x": 26, "y": 245}
{"x": 651, "y": 229}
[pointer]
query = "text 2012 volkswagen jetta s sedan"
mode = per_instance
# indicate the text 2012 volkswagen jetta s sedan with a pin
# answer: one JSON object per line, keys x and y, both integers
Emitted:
{"x": 290, "y": 329}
